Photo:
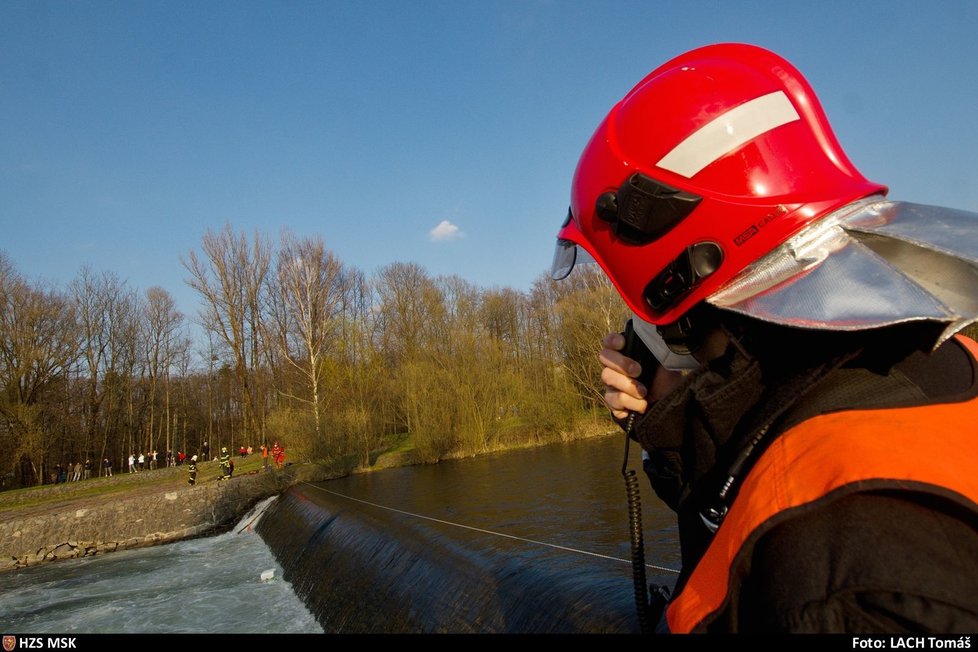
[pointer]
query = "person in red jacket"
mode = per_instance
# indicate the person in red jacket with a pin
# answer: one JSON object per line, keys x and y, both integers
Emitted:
{"x": 799, "y": 391}
{"x": 278, "y": 454}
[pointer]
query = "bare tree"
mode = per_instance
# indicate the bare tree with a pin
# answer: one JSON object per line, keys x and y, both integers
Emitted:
{"x": 163, "y": 344}
{"x": 411, "y": 310}
{"x": 360, "y": 386}
{"x": 106, "y": 311}
{"x": 477, "y": 371}
{"x": 503, "y": 312}
{"x": 306, "y": 306}
{"x": 38, "y": 344}
{"x": 231, "y": 279}
{"x": 412, "y": 315}
{"x": 587, "y": 308}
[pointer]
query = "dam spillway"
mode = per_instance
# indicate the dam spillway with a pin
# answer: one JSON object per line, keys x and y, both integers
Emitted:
{"x": 527, "y": 542}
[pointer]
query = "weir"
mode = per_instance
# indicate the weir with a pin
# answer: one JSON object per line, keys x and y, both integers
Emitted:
{"x": 362, "y": 568}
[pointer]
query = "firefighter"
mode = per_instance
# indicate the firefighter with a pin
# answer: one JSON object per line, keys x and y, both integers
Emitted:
{"x": 805, "y": 404}
{"x": 193, "y": 471}
{"x": 226, "y": 464}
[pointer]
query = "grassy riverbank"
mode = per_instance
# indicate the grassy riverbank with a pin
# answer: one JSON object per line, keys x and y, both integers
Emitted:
{"x": 17, "y": 503}
{"x": 30, "y": 500}
{"x": 87, "y": 517}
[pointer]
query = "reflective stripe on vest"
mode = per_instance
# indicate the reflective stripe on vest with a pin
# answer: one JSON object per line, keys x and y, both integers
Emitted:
{"x": 804, "y": 464}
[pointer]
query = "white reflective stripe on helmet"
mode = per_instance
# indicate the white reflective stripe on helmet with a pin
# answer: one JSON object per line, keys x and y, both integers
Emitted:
{"x": 728, "y": 132}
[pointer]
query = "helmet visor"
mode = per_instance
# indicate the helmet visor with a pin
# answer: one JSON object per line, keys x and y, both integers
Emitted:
{"x": 565, "y": 257}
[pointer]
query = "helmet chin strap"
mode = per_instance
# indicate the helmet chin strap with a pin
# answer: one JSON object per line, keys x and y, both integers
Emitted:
{"x": 669, "y": 357}
{"x": 687, "y": 335}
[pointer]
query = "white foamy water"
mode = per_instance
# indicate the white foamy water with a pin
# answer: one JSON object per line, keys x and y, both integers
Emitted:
{"x": 207, "y": 585}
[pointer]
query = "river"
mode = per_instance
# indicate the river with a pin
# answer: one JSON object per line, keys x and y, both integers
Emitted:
{"x": 205, "y": 585}
{"x": 529, "y": 541}
{"x": 534, "y": 540}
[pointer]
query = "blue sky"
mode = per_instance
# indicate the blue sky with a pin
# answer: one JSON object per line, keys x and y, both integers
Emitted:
{"x": 128, "y": 129}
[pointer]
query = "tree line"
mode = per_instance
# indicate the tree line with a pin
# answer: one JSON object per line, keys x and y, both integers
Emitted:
{"x": 292, "y": 344}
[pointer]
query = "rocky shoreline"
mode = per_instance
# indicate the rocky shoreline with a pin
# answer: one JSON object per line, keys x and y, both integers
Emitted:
{"x": 85, "y": 528}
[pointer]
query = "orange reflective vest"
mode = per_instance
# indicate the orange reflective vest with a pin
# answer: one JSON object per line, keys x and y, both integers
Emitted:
{"x": 928, "y": 448}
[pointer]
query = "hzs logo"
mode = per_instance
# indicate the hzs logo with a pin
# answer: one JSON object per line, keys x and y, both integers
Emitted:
{"x": 37, "y": 643}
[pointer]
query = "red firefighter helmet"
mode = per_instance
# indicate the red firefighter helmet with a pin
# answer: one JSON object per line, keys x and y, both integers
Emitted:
{"x": 713, "y": 160}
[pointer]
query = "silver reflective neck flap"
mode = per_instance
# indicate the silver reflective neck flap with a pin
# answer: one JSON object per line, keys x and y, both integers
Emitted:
{"x": 870, "y": 264}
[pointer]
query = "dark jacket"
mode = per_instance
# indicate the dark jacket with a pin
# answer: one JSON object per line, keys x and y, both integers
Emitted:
{"x": 874, "y": 561}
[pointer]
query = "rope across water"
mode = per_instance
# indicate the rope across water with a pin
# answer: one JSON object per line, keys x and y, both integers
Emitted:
{"x": 485, "y": 531}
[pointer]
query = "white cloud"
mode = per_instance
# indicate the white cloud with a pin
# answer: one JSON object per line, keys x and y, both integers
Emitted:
{"x": 445, "y": 231}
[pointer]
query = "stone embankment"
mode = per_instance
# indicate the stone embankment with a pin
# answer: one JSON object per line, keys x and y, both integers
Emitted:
{"x": 84, "y": 528}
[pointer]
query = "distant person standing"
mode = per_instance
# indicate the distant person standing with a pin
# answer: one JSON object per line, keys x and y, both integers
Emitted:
{"x": 107, "y": 467}
{"x": 88, "y": 468}
{"x": 264, "y": 455}
{"x": 226, "y": 467}
{"x": 205, "y": 451}
{"x": 193, "y": 471}
{"x": 132, "y": 463}
{"x": 278, "y": 454}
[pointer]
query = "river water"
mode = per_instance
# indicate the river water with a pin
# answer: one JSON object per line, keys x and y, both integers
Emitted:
{"x": 530, "y": 541}
{"x": 524, "y": 541}
{"x": 206, "y": 585}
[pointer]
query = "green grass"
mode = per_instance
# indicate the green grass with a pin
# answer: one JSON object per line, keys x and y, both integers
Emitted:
{"x": 163, "y": 479}
{"x": 404, "y": 443}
